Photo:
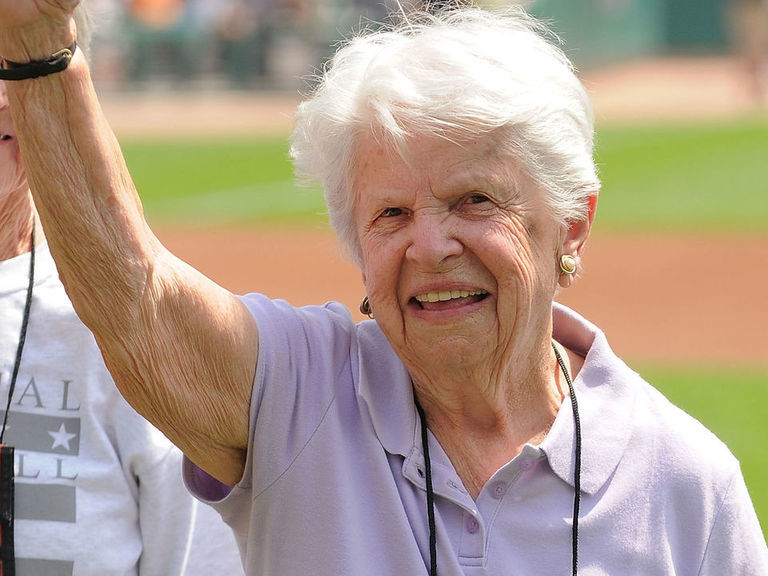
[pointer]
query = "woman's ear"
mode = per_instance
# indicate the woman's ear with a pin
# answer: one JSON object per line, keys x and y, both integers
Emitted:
{"x": 575, "y": 239}
{"x": 578, "y": 232}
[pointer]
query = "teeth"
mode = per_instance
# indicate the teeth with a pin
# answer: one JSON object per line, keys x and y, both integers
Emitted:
{"x": 447, "y": 295}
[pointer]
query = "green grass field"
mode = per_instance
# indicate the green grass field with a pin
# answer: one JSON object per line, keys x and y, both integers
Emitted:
{"x": 710, "y": 178}
{"x": 220, "y": 182}
{"x": 704, "y": 177}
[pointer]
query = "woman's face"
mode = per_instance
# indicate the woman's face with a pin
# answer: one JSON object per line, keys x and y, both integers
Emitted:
{"x": 12, "y": 176}
{"x": 459, "y": 252}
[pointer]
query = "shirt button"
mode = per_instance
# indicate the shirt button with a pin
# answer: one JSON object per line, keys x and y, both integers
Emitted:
{"x": 498, "y": 490}
{"x": 472, "y": 525}
{"x": 526, "y": 464}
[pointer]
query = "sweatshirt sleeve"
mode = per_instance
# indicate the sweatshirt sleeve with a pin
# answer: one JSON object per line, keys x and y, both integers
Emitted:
{"x": 180, "y": 535}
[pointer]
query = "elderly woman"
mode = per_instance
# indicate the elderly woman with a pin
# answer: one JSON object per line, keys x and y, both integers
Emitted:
{"x": 472, "y": 427}
{"x": 98, "y": 489}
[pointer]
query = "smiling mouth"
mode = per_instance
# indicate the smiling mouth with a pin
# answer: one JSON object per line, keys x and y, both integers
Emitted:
{"x": 424, "y": 300}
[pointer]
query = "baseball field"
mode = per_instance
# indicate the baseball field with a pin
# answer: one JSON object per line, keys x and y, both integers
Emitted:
{"x": 675, "y": 272}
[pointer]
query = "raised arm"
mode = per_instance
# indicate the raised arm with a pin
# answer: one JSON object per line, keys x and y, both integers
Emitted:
{"x": 181, "y": 349}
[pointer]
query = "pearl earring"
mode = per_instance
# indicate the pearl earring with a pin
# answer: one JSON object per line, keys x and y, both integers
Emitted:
{"x": 568, "y": 264}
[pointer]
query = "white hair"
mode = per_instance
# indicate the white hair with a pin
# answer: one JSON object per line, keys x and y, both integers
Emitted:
{"x": 84, "y": 27}
{"x": 460, "y": 74}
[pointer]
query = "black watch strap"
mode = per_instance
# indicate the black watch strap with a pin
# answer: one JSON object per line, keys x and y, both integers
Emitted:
{"x": 37, "y": 68}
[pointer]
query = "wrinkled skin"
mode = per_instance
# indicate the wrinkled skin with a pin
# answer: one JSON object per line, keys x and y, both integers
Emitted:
{"x": 34, "y": 29}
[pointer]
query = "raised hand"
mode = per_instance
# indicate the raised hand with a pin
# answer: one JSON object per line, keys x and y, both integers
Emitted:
{"x": 34, "y": 29}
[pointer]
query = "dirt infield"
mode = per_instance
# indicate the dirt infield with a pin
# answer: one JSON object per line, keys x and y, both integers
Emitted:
{"x": 665, "y": 299}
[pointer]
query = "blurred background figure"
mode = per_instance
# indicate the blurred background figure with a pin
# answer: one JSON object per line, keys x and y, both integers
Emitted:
{"x": 749, "y": 29}
{"x": 243, "y": 33}
{"x": 161, "y": 36}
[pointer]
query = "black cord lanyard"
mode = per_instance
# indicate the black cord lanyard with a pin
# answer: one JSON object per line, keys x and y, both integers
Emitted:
{"x": 23, "y": 335}
{"x": 7, "y": 491}
{"x": 576, "y": 465}
{"x": 576, "y": 477}
{"x": 430, "y": 492}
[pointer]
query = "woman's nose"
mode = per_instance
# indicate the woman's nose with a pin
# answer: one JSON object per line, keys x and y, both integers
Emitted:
{"x": 433, "y": 240}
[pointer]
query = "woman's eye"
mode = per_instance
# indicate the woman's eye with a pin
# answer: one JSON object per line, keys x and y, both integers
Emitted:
{"x": 477, "y": 198}
{"x": 390, "y": 212}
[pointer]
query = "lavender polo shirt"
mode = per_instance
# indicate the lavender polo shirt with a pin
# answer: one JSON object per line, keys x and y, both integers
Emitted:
{"x": 334, "y": 479}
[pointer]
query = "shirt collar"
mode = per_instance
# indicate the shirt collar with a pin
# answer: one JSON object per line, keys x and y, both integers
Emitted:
{"x": 605, "y": 397}
{"x": 385, "y": 386}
